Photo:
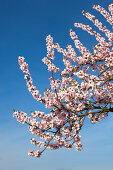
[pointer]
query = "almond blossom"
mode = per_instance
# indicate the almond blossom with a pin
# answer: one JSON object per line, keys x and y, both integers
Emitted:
{"x": 83, "y": 89}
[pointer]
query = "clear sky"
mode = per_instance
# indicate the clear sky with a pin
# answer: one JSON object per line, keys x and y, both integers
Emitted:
{"x": 24, "y": 25}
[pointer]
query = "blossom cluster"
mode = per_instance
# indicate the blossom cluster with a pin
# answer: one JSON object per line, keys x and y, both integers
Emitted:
{"x": 84, "y": 89}
{"x": 31, "y": 87}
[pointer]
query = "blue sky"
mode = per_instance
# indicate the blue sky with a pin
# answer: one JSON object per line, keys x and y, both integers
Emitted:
{"x": 23, "y": 29}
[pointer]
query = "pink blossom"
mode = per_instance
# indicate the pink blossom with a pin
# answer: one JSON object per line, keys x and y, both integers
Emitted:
{"x": 83, "y": 88}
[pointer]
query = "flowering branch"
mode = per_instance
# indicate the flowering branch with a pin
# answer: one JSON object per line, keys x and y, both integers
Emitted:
{"x": 77, "y": 93}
